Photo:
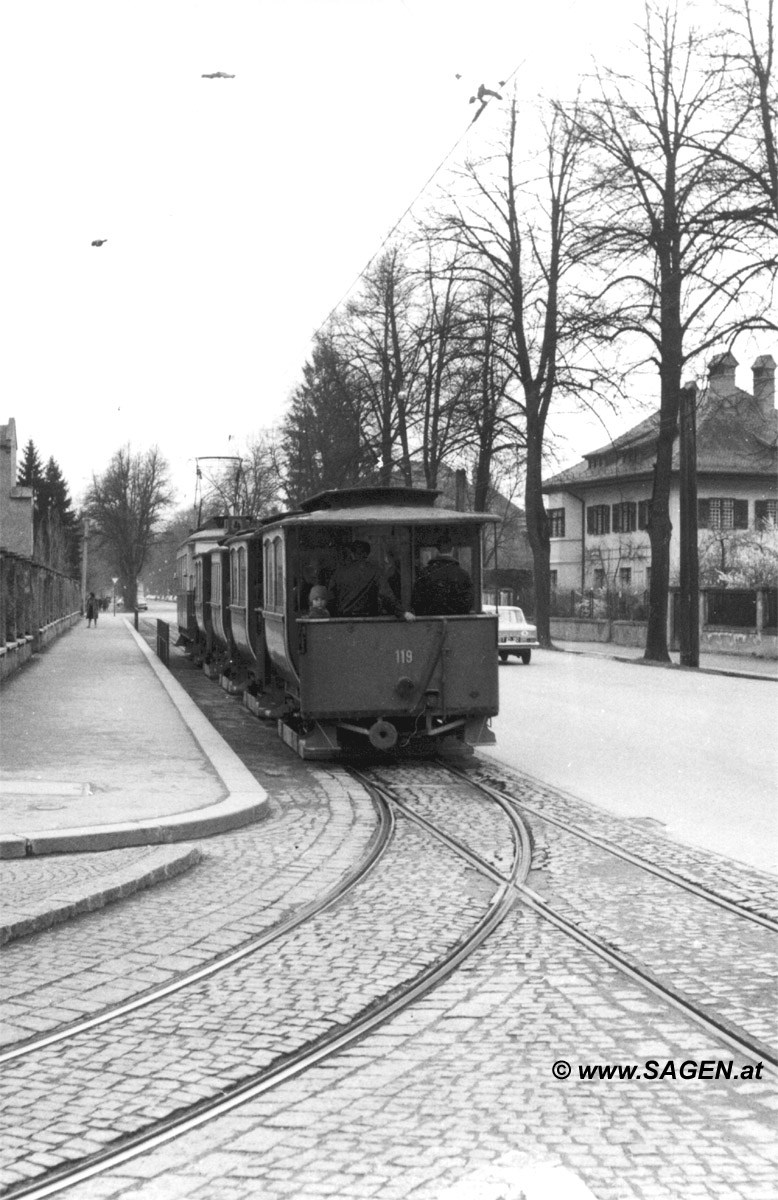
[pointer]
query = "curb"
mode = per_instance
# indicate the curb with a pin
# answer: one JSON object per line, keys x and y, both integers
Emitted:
{"x": 671, "y": 666}
{"x": 73, "y": 901}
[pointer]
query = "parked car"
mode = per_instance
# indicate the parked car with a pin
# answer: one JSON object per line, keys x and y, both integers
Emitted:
{"x": 515, "y": 635}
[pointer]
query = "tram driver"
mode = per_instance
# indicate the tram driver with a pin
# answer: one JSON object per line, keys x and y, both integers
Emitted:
{"x": 359, "y": 589}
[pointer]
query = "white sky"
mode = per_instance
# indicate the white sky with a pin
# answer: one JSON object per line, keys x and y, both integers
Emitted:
{"x": 237, "y": 212}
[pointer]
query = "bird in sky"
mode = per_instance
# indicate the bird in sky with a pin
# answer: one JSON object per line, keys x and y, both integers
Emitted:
{"x": 99, "y": 241}
{"x": 217, "y": 75}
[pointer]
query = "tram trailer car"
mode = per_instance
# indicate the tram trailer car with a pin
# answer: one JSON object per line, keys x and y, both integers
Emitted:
{"x": 251, "y": 662}
{"x": 193, "y": 584}
{"x": 354, "y": 682}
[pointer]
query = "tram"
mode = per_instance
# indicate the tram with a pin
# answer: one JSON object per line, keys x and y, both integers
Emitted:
{"x": 388, "y": 679}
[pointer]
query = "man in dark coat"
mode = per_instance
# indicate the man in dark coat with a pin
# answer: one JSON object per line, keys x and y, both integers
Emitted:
{"x": 359, "y": 589}
{"x": 443, "y": 588}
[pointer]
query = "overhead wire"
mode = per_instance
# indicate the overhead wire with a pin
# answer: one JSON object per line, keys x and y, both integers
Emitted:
{"x": 360, "y": 274}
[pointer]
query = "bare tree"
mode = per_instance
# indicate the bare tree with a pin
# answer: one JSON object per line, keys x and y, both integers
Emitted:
{"x": 517, "y": 240}
{"x": 375, "y": 336}
{"x": 250, "y": 483}
{"x": 126, "y": 504}
{"x": 684, "y": 277}
{"x": 748, "y": 55}
{"x": 440, "y": 382}
{"x": 490, "y": 417}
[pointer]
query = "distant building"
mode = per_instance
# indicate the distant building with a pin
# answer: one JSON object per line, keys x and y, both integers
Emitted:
{"x": 599, "y": 509}
{"x": 16, "y": 503}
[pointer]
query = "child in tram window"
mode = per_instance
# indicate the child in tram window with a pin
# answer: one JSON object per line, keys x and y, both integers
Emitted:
{"x": 317, "y": 603}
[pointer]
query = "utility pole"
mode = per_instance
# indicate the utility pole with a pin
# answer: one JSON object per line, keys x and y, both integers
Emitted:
{"x": 84, "y": 557}
{"x": 690, "y": 567}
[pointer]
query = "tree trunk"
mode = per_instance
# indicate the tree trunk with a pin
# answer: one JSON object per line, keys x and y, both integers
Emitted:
{"x": 537, "y": 529}
{"x": 660, "y": 528}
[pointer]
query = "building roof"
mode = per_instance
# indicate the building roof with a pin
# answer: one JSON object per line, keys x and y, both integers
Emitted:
{"x": 735, "y": 436}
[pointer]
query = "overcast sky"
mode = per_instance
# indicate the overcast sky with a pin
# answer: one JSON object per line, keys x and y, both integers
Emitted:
{"x": 237, "y": 212}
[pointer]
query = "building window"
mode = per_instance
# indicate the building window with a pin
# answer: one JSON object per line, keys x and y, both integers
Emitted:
{"x": 625, "y": 517}
{"x": 553, "y": 576}
{"x": 598, "y": 518}
{"x": 644, "y": 513}
{"x": 556, "y": 522}
{"x": 625, "y": 576}
{"x": 765, "y": 513}
{"x": 723, "y": 513}
{"x": 599, "y": 577}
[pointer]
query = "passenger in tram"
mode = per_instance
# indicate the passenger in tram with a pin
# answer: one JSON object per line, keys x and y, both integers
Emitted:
{"x": 359, "y": 589}
{"x": 443, "y": 587}
{"x": 317, "y": 600}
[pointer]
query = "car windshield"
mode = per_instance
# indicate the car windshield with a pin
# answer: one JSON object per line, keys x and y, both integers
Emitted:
{"x": 511, "y": 616}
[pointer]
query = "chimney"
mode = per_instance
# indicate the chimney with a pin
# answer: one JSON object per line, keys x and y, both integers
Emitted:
{"x": 721, "y": 374}
{"x": 764, "y": 383}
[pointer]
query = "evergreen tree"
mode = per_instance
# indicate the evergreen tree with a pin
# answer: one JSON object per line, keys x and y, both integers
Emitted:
{"x": 30, "y": 470}
{"x": 59, "y": 521}
{"x": 56, "y": 537}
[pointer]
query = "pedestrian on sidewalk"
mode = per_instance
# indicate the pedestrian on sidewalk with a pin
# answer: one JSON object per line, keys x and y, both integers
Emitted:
{"x": 92, "y": 609}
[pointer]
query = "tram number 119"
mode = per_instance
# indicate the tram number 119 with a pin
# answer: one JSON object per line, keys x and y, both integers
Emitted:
{"x": 404, "y": 656}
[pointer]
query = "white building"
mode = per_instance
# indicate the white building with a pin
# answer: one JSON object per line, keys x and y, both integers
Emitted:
{"x": 599, "y": 508}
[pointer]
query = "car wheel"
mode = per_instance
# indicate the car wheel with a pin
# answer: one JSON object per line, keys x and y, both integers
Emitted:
{"x": 525, "y": 656}
{"x": 503, "y": 655}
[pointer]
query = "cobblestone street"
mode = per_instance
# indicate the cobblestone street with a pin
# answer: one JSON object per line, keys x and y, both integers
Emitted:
{"x": 464, "y": 1082}
{"x": 465, "y": 1095}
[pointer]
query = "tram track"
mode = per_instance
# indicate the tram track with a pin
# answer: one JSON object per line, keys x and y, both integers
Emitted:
{"x": 705, "y": 1017}
{"x": 643, "y": 864}
{"x": 375, "y": 849}
{"x": 314, "y": 1050}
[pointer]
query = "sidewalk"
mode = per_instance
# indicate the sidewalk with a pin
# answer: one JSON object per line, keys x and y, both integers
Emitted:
{"x": 727, "y": 664}
{"x": 102, "y": 749}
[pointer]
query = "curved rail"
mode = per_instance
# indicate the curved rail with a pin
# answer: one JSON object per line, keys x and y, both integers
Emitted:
{"x": 687, "y": 885}
{"x": 377, "y": 845}
{"x": 328, "y": 1044}
{"x": 742, "y": 1043}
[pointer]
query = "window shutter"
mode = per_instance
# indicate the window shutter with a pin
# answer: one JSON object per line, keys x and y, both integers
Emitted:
{"x": 617, "y": 518}
{"x": 741, "y": 514}
{"x": 590, "y": 520}
{"x": 703, "y": 514}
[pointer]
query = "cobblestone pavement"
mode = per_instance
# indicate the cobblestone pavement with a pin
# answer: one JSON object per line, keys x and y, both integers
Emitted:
{"x": 454, "y": 1099}
{"x": 461, "y": 1089}
{"x": 37, "y": 893}
{"x": 120, "y": 1077}
{"x": 247, "y": 882}
{"x": 753, "y": 889}
{"x": 619, "y": 903}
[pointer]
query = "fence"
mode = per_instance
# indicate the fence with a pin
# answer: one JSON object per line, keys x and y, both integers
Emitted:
{"x": 37, "y": 603}
{"x": 600, "y": 604}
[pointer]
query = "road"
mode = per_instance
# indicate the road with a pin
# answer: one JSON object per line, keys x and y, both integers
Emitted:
{"x": 694, "y": 751}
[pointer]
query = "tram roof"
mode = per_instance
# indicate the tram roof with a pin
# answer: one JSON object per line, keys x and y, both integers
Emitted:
{"x": 359, "y": 497}
{"x": 384, "y": 514}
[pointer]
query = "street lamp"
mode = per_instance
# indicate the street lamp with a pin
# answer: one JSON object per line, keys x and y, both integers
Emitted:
{"x": 114, "y": 581}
